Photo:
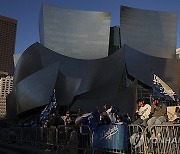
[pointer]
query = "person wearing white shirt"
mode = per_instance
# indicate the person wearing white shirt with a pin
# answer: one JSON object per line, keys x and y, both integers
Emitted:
{"x": 79, "y": 118}
{"x": 67, "y": 119}
{"x": 143, "y": 113}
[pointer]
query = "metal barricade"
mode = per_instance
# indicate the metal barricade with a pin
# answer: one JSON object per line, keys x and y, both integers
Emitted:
{"x": 39, "y": 137}
{"x": 136, "y": 139}
{"x": 45, "y": 138}
{"x": 51, "y": 136}
{"x": 28, "y": 136}
{"x": 40, "y": 141}
{"x": 4, "y": 134}
{"x": 13, "y": 135}
{"x": 74, "y": 138}
{"x": 162, "y": 139}
{"x": 109, "y": 151}
{"x": 157, "y": 139}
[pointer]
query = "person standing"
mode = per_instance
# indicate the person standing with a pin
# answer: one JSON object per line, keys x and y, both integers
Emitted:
{"x": 68, "y": 119}
{"x": 79, "y": 118}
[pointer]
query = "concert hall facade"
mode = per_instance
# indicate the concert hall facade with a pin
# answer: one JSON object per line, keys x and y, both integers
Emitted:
{"x": 89, "y": 63}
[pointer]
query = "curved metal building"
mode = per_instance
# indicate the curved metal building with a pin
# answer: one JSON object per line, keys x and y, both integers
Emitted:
{"x": 74, "y": 59}
{"x": 151, "y": 32}
{"x": 40, "y": 70}
{"x": 127, "y": 96}
{"x": 142, "y": 67}
{"x": 75, "y": 33}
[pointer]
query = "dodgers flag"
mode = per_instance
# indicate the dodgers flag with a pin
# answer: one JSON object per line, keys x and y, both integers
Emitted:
{"x": 49, "y": 109}
{"x": 160, "y": 88}
{"x": 111, "y": 137}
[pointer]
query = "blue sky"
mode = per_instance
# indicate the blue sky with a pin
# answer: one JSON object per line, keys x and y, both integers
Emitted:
{"x": 27, "y": 13}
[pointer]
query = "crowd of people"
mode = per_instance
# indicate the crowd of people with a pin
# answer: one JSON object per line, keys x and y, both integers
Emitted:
{"x": 108, "y": 115}
{"x": 154, "y": 114}
{"x": 145, "y": 115}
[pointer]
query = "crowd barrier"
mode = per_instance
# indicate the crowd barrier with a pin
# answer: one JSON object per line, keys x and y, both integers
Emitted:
{"x": 157, "y": 139}
{"x": 135, "y": 134}
{"x": 162, "y": 139}
{"x": 60, "y": 138}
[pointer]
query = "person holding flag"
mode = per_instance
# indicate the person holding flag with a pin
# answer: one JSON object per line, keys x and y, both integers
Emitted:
{"x": 158, "y": 113}
{"x": 79, "y": 118}
{"x": 158, "y": 109}
{"x": 48, "y": 111}
{"x": 90, "y": 119}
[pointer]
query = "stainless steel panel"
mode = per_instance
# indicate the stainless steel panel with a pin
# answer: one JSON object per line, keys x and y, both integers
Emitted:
{"x": 36, "y": 90}
{"x": 151, "y": 32}
{"x": 40, "y": 70}
{"x": 75, "y": 33}
{"x": 93, "y": 73}
{"x": 66, "y": 88}
{"x": 142, "y": 67}
{"x": 28, "y": 63}
{"x": 125, "y": 101}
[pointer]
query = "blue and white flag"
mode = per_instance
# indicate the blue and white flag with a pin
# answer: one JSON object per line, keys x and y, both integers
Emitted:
{"x": 160, "y": 88}
{"x": 49, "y": 109}
{"x": 91, "y": 119}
